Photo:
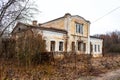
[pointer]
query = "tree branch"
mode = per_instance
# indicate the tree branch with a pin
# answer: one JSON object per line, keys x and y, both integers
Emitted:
{"x": 4, "y": 9}
{"x": 15, "y": 18}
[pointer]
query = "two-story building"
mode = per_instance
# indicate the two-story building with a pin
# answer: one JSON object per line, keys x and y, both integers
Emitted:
{"x": 65, "y": 34}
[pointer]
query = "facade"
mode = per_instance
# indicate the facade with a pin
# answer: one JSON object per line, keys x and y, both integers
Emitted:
{"x": 65, "y": 34}
{"x": 96, "y": 45}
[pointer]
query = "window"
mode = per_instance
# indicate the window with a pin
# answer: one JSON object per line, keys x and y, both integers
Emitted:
{"x": 60, "y": 46}
{"x": 95, "y": 48}
{"x": 79, "y": 28}
{"x": 84, "y": 46}
{"x": 73, "y": 46}
{"x": 81, "y": 46}
{"x": 98, "y": 48}
{"x": 19, "y": 29}
{"x": 91, "y": 47}
{"x": 44, "y": 41}
{"x": 52, "y": 46}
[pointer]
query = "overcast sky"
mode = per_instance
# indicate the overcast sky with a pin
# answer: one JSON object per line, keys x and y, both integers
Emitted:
{"x": 89, "y": 9}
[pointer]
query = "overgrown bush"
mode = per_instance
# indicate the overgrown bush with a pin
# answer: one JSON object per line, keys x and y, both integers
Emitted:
{"x": 0, "y": 46}
{"x": 111, "y": 43}
{"x": 7, "y": 48}
{"x": 41, "y": 58}
{"x": 115, "y": 48}
{"x": 28, "y": 48}
{"x": 84, "y": 61}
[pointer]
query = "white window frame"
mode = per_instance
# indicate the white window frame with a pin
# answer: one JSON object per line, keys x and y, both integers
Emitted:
{"x": 61, "y": 49}
{"x": 98, "y": 48}
{"x": 54, "y": 45}
{"x": 79, "y": 28}
{"x": 95, "y": 48}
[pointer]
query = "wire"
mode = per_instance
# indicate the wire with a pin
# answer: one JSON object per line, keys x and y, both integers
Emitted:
{"x": 106, "y": 14}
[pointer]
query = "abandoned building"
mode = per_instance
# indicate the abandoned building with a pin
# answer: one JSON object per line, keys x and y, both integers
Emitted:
{"x": 65, "y": 34}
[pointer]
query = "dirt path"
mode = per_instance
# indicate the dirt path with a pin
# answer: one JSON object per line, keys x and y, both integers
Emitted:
{"x": 113, "y": 75}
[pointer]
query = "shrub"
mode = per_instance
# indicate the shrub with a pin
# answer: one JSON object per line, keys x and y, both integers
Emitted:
{"x": 29, "y": 47}
{"x": 40, "y": 58}
{"x": 0, "y": 46}
{"x": 115, "y": 48}
{"x": 7, "y": 48}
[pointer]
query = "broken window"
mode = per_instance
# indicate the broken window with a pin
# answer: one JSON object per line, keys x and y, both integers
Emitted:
{"x": 84, "y": 46}
{"x": 44, "y": 42}
{"x": 79, "y": 46}
{"x": 60, "y": 46}
{"x": 73, "y": 46}
{"x": 19, "y": 29}
{"x": 52, "y": 46}
{"x": 91, "y": 47}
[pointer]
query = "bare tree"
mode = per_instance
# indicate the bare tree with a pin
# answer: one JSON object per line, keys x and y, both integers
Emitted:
{"x": 14, "y": 10}
{"x": 111, "y": 41}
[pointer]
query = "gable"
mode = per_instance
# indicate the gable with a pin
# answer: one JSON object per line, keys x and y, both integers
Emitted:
{"x": 57, "y": 24}
{"x": 20, "y": 27}
{"x": 79, "y": 20}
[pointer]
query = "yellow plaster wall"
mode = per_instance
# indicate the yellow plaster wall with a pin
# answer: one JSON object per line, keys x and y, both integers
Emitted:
{"x": 61, "y": 23}
{"x": 58, "y": 24}
{"x": 73, "y": 27}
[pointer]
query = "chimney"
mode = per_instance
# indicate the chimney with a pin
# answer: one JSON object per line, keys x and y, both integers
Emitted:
{"x": 67, "y": 15}
{"x": 40, "y": 24}
{"x": 34, "y": 22}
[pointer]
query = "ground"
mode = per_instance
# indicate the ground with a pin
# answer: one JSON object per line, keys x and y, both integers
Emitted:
{"x": 70, "y": 68}
{"x": 112, "y": 75}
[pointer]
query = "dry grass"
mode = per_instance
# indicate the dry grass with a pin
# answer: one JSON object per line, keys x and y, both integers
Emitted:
{"x": 66, "y": 69}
